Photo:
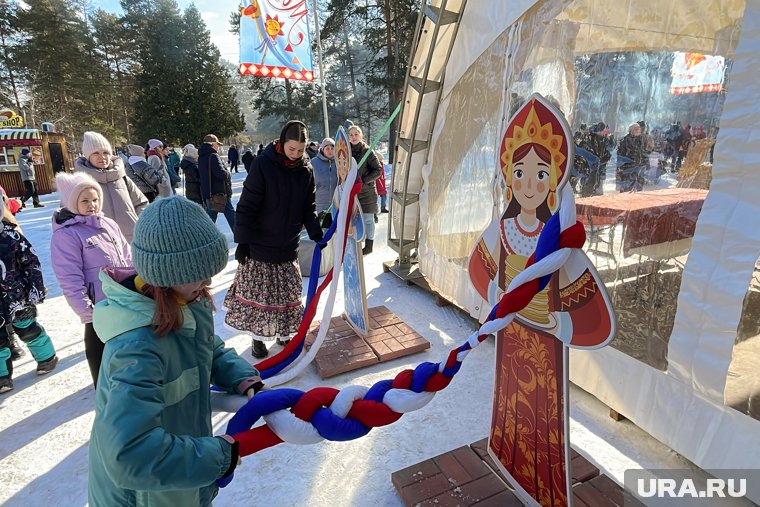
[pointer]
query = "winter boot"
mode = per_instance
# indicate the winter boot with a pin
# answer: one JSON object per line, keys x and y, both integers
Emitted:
{"x": 16, "y": 351}
{"x": 45, "y": 367}
{"x": 6, "y": 384}
{"x": 384, "y": 210}
{"x": 259, "y": 350}
{"x": 282, "y": 342}
{"x": 367, "y": 246}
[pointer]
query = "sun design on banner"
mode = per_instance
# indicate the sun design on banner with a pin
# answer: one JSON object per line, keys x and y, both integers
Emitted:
{"x": 274, "y": 39}
{"x": 273, "y": 26}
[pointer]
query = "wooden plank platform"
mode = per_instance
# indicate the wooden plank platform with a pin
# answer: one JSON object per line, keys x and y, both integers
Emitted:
{"x": 343, "y": 350}
{"x": 468, "y": 476}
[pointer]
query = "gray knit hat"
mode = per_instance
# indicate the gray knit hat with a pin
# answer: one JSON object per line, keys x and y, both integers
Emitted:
{"x": 176, "y": 242}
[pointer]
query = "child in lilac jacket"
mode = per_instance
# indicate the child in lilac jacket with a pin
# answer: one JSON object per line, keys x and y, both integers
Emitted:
{"x": 84, "y": 241}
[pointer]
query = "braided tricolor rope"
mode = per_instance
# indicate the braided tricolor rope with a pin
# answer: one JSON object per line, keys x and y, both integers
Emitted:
{"x": 321, "y": 413}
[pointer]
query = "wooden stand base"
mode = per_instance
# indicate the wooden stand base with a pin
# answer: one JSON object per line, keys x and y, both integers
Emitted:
{"x": 343, "y": 350}
{"x": 468, "y": 476}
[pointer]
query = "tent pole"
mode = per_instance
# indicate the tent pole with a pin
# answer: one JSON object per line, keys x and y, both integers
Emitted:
{"x": 321, "y": 72}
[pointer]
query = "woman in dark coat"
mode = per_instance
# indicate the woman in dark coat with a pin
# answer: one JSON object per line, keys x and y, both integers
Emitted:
{"x": 248, "y": 157}
{"x": 276, "y": 203}
{"x": 368, "y": 172}
{"x": 189, "y": 166}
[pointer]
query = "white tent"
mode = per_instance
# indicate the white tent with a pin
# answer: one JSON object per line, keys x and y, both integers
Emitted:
{"x": 474, "y": 62}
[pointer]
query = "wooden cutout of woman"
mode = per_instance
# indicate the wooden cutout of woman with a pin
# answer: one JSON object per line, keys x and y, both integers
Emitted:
{"x": 529, "y": 426}
{"x": 354, "y": 290}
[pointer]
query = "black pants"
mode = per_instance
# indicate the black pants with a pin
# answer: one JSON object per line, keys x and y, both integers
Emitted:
{"x": 31, "y": 191}
{"x": 234, "y": 164}
{"x": 93, "y": 351}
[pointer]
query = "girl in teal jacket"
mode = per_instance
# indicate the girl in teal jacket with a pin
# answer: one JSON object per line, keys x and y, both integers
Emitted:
{"x": 151, "y": 441}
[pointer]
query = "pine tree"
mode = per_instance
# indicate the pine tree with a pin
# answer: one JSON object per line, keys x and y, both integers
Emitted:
{"x": 211, "y": 105}
{"x": 183, "y": 90}
{"x": 9, "y": 89}
{"x": 60, "y": 72}
{"x": 113, "y": 48}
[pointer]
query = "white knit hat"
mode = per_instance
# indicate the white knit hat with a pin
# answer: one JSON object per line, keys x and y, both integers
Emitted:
{"x": 93, "y": 142}
{"x": 154, "y": 143}
{"x": 190, "y": 150}
{"x": 135, "y": 150}
{"x": 70, "y": 185}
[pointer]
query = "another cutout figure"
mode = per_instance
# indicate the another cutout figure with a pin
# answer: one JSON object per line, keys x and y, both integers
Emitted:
{"x": 354, "y": 291}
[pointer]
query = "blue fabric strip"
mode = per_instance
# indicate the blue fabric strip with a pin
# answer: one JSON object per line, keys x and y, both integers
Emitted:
{"x": 274, "y": 370}
{"x": 422, "y": 374}
{"x": 377, "y": 391}
{"x": 332, "y": 427}
{"x": 265, "y": 402}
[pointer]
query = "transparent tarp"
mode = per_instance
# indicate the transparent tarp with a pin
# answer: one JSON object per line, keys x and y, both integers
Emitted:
{"x": 743, "y": 380}
{"x": 643, "y": 85}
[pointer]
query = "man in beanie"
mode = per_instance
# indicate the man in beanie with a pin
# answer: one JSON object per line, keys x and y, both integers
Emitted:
{"x": 215, "y": 179}
{"x": 151, "y": 441}
{"x": 26, "y": 167}
{"x": 122, "y": 200}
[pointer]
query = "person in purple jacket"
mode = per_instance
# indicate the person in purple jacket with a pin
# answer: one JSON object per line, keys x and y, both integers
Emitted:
{"x": 84, "y": 241}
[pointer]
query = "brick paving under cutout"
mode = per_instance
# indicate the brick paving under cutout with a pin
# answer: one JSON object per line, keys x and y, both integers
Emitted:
{"x": 468, "y": 476}
{"x": 343, "y": 350}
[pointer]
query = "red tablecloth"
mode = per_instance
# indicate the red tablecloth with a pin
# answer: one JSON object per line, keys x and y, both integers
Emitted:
{"x": 648, "y": 218}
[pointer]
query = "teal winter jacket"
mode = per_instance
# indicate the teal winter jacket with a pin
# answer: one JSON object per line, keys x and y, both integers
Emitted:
{"x": 151, "y": 442}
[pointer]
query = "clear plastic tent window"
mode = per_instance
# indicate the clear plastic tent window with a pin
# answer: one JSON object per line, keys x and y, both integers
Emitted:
{"x": 643, "y": 85}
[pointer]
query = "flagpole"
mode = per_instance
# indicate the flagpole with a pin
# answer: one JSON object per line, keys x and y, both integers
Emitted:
{"x": 321, "y": 72}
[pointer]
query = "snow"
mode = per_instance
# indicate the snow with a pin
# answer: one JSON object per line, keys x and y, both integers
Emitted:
{"x": 45, "y": 422}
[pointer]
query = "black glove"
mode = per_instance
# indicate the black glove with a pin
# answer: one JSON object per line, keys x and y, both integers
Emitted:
{"x": 242, "y": 253}
{"x": 325, "y": 219}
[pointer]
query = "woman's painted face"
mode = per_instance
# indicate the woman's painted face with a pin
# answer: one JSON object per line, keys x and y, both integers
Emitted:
{"x": 293, "y": 149}
{"x": 342, "y": 166}
{"x": 88, "y": 202}
{"x": 530, "y": 181}
{"x": 354, "y": 136}
{"x": 100, "y": 159}
{"x": 190, "y": 291}
{"x": 329, "y": 151}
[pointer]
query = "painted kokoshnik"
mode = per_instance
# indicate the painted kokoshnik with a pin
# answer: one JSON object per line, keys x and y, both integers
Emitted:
{"x": 529, "y": 417}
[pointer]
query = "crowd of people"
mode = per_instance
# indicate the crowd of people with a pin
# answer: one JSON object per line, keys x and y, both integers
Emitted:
{"x": 134, "y": 262}
{"x": 594, "y": 146}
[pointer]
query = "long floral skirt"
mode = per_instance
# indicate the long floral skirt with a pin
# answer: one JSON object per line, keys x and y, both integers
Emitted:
{"x": 265, "y": 299}
{"x": 528, "y": 422}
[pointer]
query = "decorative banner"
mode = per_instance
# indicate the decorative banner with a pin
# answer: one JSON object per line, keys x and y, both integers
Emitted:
{"x": 274, "y": 39}
{"x": 9, "y": 119}
{"x": 697, "y": 73}
{"x": 529, "y": 427}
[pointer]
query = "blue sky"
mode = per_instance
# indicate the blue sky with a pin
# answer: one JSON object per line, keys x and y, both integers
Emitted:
{"x": 215, "y": 13}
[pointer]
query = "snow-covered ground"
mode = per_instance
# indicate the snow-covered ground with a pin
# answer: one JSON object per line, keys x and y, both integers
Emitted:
{"x": 45, "y": 422}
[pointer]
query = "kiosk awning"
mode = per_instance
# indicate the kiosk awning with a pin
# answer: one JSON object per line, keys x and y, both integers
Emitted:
{"x": 20, "y": 137}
